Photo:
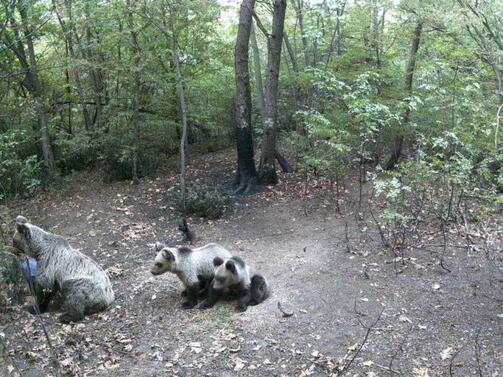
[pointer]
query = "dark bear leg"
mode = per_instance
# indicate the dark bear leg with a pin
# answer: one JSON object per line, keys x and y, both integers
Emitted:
{"x": 213, "y": 296}
{"x": 203, "y": 287}
{"x": 192, "y": 293}
{"x": 42, "y": 297}
{"x": 79, "y": 299}
{"x": 258, "y": 288}
{"x": 244, "y": 300}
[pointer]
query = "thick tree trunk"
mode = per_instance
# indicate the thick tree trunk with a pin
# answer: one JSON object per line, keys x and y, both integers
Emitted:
{"x": 409, "y": 76}
{"x": 246, "y": 172}
{"x": 135, "y": 120}
{"x": 267, "y": 169}
{"x": 257, "y": 70}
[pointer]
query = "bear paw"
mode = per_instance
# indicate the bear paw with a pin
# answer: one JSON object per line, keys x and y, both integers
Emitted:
{"x": 205, "y": 306}
{"x": 189, "y": 305}
{"x": 241, "y": 308}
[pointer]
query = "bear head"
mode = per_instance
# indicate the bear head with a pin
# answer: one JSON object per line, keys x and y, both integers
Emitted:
{"x": 165, "y": 259}
{"x": 28, "y": 239}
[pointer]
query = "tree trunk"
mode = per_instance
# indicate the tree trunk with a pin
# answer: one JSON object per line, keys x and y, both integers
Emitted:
{"x": 336, "y": 35}
{"x": 258, "y": 70}
{"x": 289, "y": 48}
{"x": 299, "y": 9}
{"x": 35, "y": 88}
{"x": 409, "y": 75}
{"x": 135, "y": 120}
{"x": 267, "y": 169}
{"x": 245, "y": 173}
{"x": 183, "y": 113}
{"x": 96, "y": 71}
{"x": 68, "y": 31}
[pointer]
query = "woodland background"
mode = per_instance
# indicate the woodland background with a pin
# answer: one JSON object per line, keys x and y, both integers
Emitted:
{"x": 366, "y": 130}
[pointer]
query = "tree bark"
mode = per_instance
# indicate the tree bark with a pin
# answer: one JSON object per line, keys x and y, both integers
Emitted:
{"x": 409, "y": 76}
{"x": 32, "y": 83}
{"x": 135, "y": 120}
{"x": 96, "y": 72}
{"x": 245, "y": 172}
{"x": 267, "y": 169}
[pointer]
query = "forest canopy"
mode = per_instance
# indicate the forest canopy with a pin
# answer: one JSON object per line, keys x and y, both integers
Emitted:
{"x": 94, "y": 84}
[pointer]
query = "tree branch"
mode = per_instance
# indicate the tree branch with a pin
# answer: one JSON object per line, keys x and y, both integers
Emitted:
{"x": 260, "y": 25}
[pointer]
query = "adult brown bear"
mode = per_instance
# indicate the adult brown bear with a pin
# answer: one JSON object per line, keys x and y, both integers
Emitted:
{"x": 84, "y": 286}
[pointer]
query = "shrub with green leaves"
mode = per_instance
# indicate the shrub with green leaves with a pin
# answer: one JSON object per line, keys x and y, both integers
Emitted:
{"x": 205, "y": 201}
{"x": 20, "y": 174}
{"x": 76, "y": 152}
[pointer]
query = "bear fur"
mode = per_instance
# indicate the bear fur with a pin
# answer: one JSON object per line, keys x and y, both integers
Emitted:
{"x": 236, "y": 279}
{"x": 194, "y": 267}
{"x": 84, "y": 286}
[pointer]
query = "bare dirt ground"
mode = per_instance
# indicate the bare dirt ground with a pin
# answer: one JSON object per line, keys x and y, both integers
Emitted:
{"x": 345, "y": 290}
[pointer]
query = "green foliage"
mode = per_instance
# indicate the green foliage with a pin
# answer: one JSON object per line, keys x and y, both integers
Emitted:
{"x": 76, "y": 152}
{"x": 117, "y": 156}
{"x": 205, "y": 201}
{"x": 20, "y": 174}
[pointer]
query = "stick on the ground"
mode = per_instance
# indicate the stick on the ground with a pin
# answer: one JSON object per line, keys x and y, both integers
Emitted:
{"x": 6, "y": 355}
{"x": 451, "y": 364}
{"x": 346, "y": 367}
{"x": 52, "y": 351}
{"x": 283, "y": 311}
{"x": 346, "y": 236}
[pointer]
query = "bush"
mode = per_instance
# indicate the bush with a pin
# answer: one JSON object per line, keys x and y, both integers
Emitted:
{"x": 12, "y": 283}
{"x": 20, "y": 174}
{"x": 117, "y": 155}
{"x": 76, "y": 152}
{"x": 205, "y": 201}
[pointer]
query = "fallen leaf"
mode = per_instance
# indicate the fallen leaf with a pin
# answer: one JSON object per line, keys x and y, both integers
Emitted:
{"x": 420, "y": 372}
{"x": 447, "y": 353}
{"x": 403, "y": 318}
{"x": 239, "y": 364}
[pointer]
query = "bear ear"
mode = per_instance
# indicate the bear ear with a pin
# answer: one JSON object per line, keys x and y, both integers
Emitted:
{"x": 217, "y": 261}
{"x": 158, "y": 246}
{"x": 231, "y": 266}
{"x": 168, "y": 255}
{"x": 21, "y": 226}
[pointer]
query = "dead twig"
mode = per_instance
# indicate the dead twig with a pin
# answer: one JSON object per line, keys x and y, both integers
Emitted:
{"x": 283, "y": 311}
{"x": 6, "y": 355}
{"x": 346, "y": 237}
{"x": 345, "y": 368}
{"x": 477, "y": 354}
{"x": 451, "y": 364}
{"x": 52, "y": 351}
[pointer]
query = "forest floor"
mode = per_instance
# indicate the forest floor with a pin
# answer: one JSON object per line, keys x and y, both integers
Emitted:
{"x": 346, "y": 291}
